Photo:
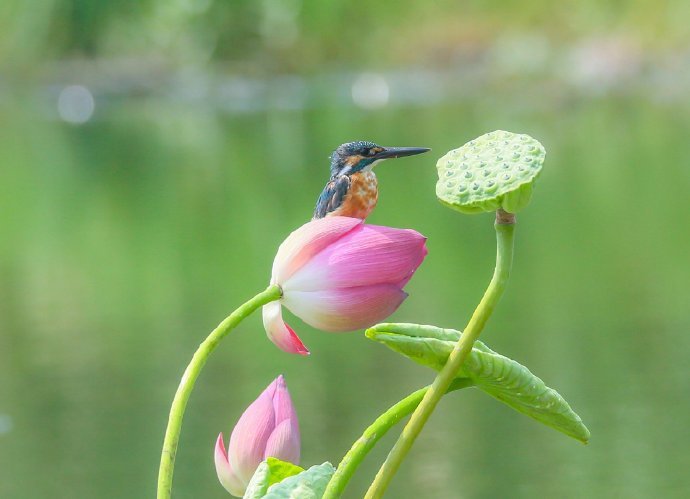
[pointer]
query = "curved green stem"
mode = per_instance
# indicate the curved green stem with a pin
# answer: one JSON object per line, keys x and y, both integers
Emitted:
{"x": 351, "y": 461}
{"x": 184, "y": 390}
{"x": 505, "y": 224}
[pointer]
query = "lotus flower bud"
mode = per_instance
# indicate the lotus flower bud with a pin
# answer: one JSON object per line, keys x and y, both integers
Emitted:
{"x": 268, "y": 428}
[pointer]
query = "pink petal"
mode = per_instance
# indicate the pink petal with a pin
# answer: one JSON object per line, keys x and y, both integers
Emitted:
{"x": 279, "y": 332}
{"x": 282, "y": 403}
{"x": 368, "y": 254}
{"x": 308, "y": 240}
{"x": 226, "y": 475}
{"x": 345, "y": 309}
{"x": 250, "y": 435}
{"x": 284, "y": 442}
{"x": 406, "y": 279}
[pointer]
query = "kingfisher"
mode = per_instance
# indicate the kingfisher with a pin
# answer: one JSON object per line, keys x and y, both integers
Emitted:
{"x": 352, "y": 190}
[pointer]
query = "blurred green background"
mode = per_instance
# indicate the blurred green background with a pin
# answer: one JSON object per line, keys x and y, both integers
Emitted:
{"x": 153, "y": 155}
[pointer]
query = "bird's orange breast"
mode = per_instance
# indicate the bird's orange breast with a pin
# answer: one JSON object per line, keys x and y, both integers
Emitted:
{"x": 361, "y": 197}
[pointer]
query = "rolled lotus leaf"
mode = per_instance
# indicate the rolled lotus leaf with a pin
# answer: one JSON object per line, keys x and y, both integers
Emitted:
{"x": 501, "y": 377}
{"x": 496, "y": 170}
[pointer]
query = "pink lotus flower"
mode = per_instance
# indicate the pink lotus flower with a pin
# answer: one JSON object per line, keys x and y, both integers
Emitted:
{"x": 268, "y": 428}
{"x": 340, "y": 274}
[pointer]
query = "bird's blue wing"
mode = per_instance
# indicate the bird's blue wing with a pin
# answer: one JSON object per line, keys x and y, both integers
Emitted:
{"x": 332, "y": 196}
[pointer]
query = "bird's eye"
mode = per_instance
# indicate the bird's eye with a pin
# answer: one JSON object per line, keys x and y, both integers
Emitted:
{"x": 368, "y": 152}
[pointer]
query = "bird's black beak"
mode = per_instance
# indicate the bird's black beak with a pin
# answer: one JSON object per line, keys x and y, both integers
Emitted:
{"x": 400, "y": 152}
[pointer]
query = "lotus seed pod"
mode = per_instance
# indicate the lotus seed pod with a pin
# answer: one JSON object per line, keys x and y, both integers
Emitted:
{"x": 496, "y": 170}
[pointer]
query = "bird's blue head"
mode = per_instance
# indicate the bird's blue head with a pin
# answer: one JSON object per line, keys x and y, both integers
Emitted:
{"x": 353, "y": 157}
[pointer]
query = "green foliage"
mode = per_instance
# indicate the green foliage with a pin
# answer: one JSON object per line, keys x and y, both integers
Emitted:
{"x": 309, "y": 484}
{"x": 501, "y": 377}
{"x": 269, "y": 472}
{"x": 298, "y": 35}
{"x": 496, "y": 170}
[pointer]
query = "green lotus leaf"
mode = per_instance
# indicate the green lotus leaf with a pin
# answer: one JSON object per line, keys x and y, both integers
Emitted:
{"x": 501, "y": 377}
{"x": 496, "y": 170}
{"x": 269, "y": 472}
{"x": 309, "y": 484}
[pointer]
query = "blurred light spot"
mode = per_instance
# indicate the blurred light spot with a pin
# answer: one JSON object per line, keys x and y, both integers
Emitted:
{"x": 370, "y": 91}
{"x": 76, "y": 104}
{"x": 5, "y": 424}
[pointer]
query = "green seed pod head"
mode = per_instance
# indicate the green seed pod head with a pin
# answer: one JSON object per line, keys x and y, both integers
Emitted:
{"x": 496, "y": 170}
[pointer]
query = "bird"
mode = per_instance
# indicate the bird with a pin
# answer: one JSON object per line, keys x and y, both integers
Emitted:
{"x": 352, "y": 190}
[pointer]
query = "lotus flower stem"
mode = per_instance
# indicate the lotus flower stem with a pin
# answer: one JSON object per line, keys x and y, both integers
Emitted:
{"x": 505, "y": 225}
{"x": 351, "y": 461}
{"x": 184, "y": 390}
